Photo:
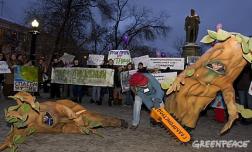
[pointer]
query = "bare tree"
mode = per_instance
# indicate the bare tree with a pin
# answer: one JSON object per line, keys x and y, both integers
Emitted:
{"x": 178, "y": 45}
{"x": 95, "y": 41}
{"x": 143, "y": 25}
{"x": 66, "y": 20}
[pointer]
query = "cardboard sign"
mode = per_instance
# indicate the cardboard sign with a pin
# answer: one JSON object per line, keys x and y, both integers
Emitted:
{"x": 4, "y": 68}
{"x": 169, "y": 76}
{"x": 143, "y": 59}
{"x": 83, "y": 76}
{"x": 120, "y": 57}
{"x": 218, "y": 102}
{"x": 67, "y": 58}
{"x": 125, "y": 76}
{"x": 94, "y": 59}
{"x": 26, "y": 78}
{"x": 163, "y": 63}
{"x": 192, "y": 59}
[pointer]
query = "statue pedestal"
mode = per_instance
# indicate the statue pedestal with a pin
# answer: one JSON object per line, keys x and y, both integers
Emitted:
{"x": 191, "y": 49}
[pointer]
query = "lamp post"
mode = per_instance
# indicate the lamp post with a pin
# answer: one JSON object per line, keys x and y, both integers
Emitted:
{"x": 34, "y": 34}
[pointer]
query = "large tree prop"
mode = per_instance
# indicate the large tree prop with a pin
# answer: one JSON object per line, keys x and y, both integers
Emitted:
{"x": 215, "y": 71}
{"x": 62, "y": 116}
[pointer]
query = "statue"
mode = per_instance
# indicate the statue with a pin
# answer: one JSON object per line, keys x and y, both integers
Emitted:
{"x": 192, "y": 27}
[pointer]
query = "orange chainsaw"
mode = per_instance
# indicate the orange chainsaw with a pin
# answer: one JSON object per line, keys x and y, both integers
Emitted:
{"x": 160, "y": 115}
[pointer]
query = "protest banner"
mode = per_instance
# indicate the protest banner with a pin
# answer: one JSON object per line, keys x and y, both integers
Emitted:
{"x": 169, "y": 76}
{"x": 120, "y": 57}
{"x": 143, "y": 59}
{"x": 26, "y": 78}
{"x": 191, "y": 59}
{"x": 4, "y": 68}
{"x": 125, "y": 76}
{"x": 163, "y": 63}
{"x": 83, "y": 76}
{"x": 94, "y": 59}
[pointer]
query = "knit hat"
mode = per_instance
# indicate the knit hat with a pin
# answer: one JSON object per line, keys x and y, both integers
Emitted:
{"x": 138, "y": 79}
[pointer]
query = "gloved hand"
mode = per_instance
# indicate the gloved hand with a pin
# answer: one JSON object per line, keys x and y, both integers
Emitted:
{"x": 156, "y": 102}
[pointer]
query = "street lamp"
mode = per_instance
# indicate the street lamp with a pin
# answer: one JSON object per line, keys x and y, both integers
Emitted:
{"x": 34, "y": 34}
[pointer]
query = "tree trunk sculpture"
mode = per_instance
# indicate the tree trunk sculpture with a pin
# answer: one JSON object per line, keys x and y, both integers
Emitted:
{"x": 62, "y": 116}
{"x": 215, "y": 71}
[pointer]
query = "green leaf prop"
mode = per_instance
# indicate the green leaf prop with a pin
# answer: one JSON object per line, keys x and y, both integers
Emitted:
{"x": 250, "y": 44}
{"x": 248, "y": 57}
{"x": 245, "y": 47}
{"x": 167, "y": 83}
{"x": 24, "y": 117}
{"x": 94, "y": 124}
{"x": 25, "y": 107}
{"x": 13, "y": 148}
{"x": 190, "y": 72}
{"x": 238, "y": 38}
{"x": 20, "y": 124}
{"x": 12, "y": 108}
{"x": 30, "y": 131}
{"x": 207, "y": 39}
{"x": 222, "y": 35}
{"x": 85, "y": 130}
{"x": 36, "y": 106}
{"x": 5, "y": 112}
{"x": 18, "y": 139}
{"x": 212, "y": 34}
{"x": 11, "y": 119}
{"x": 244, "y": 38}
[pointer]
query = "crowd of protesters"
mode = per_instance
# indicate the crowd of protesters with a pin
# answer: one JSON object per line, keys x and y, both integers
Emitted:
{"x": 96, "y": 93}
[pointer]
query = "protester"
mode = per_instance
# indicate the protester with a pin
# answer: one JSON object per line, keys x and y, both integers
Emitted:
{"x": 20, "y": 60}
{"x": 148, "y": 91}
{"x": 42, "y": 75}
{"x": 128, "y": 95}
{"x": 2, "y": 58}
{"x": 9, "y": 77}
{"x": 109, "y": 90}
{"x": 77, "y": 89}
{"x": 117, "y": 92}
{"x": 55, "y": 87}
{"x": 141, "y": 68}
{"x": 242, "y": 87}
{"x": 96, "y": 92}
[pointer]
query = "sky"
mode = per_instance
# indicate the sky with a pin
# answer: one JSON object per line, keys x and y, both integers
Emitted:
{"x": 234, "y": 15}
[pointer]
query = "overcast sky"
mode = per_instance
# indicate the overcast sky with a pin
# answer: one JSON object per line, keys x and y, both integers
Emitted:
{"x": 234, "y": 15}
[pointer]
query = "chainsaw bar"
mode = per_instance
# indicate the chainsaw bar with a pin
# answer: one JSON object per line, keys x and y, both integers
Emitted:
{"x": 162, "y": 116}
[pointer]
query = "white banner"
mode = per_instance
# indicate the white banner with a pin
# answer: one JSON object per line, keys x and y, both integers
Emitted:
{"x": 163, "y": 63}
{"x": 4, "y": 68}
{"x": 94, "y": 59}
{"x": 120, "y": 57}
{"x": 83, "y": 76}
{"x": 165, "y": 76}
{"x": 144, "y": 59}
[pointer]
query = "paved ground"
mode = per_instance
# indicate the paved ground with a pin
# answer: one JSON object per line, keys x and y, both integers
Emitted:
{"x": 144, "y": 139}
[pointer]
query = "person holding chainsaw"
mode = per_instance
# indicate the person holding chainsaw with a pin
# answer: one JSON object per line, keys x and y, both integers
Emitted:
{"x": 148, "y": 91}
